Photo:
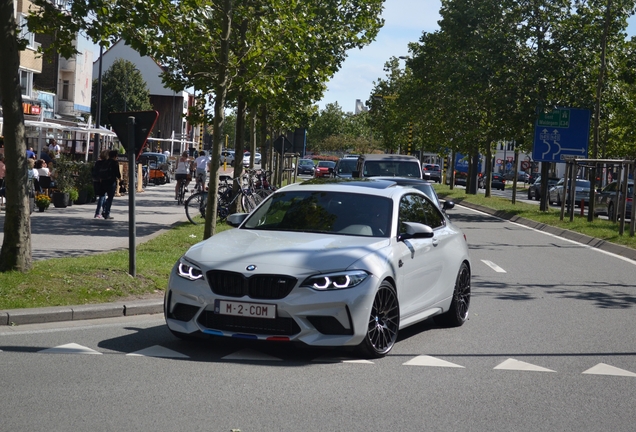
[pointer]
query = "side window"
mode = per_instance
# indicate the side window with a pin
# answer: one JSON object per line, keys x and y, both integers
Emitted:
{"x": 414, "y": 208}
{"x": 411, "y": 210}
{"x": 434, "y": 217}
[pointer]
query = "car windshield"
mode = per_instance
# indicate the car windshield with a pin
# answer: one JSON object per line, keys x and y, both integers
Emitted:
{"x": 391, "y": 168}
{"x": 303, "y": 162}
{"x": 347, "y": 166}
{"x": 326, "y": 164}
{"x": 324, "y": 212}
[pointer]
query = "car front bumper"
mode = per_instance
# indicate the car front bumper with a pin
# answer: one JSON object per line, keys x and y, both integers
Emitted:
{"x": 313, "y": 317}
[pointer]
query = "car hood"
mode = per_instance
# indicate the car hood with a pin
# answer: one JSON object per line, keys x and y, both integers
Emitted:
{"x": 276, "y": 251}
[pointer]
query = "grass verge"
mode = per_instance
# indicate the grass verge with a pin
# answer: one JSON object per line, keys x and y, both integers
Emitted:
{"x": 601, "y": 229}
{"x": 100, "y": 278}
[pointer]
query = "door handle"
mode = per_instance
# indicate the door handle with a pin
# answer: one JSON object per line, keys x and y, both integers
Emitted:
{"x": 435, "y": 241}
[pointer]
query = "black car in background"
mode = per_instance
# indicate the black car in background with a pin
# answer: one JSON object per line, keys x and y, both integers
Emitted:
{"x": 306, "y": 166}
{"x": 345, "y": 167}
{"x": 608, "y": 200}
{"x": 534, "y": 191}
{"x": 498, "y": 182}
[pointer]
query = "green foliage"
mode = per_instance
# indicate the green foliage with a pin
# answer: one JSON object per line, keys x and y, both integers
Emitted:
{"x": 123, "y": 89}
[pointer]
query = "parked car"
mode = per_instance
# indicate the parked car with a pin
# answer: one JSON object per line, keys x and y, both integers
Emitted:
{"x": 159, "y": 166}
{"x": 534, "y": 191}
{"x": 432, "y": 172}
{"x": 324, "y": 169}
{"x": 306, "y": 166}
{"x": 522, "y": 176}
{"x": 581, "y": 192}
{"x": 461, "y": 178}
{"x": 498, "y": 182}
{"x": 227, "y": 156}
{"x": 608, "y": 200}
{"x": 246, "y": 158}
{"x": 345, "y": 167}
{"x": 335, "y": 262}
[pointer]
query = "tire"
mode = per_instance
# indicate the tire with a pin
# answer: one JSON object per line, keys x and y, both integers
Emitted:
{"x": 457, "y": 314}
{"x": 248, "y": 202}
{"x": 383, "y": 324}
{"x": 529, "y": 194}
{"x": 195, "y": 208}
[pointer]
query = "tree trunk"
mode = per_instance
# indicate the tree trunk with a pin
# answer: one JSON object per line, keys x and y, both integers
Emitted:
{"x": 239, "y": 145}
{"x": 16, "y": 247}
{"x": 219, "y": 119}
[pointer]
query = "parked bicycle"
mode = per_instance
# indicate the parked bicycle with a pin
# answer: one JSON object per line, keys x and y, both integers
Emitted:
{"x": 196, "y": 204}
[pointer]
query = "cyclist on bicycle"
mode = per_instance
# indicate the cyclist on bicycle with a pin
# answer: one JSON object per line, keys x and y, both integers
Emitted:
{"x": 202, "y": 163}
{"x": 182, "y": 173}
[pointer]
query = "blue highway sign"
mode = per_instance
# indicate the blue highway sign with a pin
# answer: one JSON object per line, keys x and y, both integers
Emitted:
{"x": 561, "y": 133}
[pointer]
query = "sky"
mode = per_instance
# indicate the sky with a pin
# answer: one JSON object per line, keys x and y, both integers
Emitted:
{"x": 405, "y": 20}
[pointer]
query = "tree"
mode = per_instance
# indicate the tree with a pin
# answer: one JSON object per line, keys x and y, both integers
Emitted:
{"x": 16, "y": 246}
{"x": 123, "y": 89}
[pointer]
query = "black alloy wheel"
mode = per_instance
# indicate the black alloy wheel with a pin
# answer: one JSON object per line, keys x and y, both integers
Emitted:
{"x": 384, "y": 323}
{"x": 457, "y": 314}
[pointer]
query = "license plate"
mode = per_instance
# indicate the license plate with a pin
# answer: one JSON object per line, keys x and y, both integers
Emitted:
{"x": 252, "y": 310}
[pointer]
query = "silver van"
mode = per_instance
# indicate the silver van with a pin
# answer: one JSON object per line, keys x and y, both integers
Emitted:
{"x": 388, "y": 165}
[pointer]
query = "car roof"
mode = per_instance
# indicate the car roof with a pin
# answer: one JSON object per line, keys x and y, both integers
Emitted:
{"x": 374, "y": 156}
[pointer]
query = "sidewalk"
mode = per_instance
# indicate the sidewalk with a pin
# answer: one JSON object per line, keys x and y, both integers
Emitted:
{"x": 73, "y": 231}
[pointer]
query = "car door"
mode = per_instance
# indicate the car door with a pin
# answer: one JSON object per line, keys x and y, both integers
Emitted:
{"x": 420, "y": 264}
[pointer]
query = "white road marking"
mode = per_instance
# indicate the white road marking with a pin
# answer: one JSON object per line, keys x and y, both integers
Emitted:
{"x": 632, "y": 262}
{"x": 71, "y": 348}
{"x": 605, "y": 369}
{"x": 157, "y": 351}
{"x": 251, "y": 355}
{"x": 493, "y": 266}
{"x": 425, "y": 360}
{"x": 512, "y": 364}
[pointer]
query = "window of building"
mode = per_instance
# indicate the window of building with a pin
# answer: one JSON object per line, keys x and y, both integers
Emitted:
{"x": 26, "y": 82}
{"x": 65, "y": 86}
{"x": 25, "y": 33}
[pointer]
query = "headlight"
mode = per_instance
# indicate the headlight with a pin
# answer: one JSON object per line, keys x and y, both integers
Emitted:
{"x": 341, "y": 280}
{"x": 188, "y": 270}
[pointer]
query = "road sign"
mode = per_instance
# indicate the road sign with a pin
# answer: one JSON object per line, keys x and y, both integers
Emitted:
{"x": 561, "y": 133}
{"x": 144, "y": 122}
{"x": 282, "y": 144}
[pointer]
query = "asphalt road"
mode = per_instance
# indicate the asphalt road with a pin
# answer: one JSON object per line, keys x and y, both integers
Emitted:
{"x": 548, "y": 346}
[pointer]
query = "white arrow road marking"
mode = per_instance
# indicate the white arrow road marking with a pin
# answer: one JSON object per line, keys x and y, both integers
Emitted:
{"x": 425, "y": 360}
{"x": 605, "y": 369}
{"x": 71, "y": 348}
{"x": 157, "y": 351}
{"x": 251, "y": 355}
{"x": 493, "y": 266}
{"x": 512, "y": 364}
{"x": 328, "y": 359}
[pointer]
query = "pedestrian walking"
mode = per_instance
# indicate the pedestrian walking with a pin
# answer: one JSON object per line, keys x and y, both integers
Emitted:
{"x": 110, "y": 175}
{"x": 100, "y": 190}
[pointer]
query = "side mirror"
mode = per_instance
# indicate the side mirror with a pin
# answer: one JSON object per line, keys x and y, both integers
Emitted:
{"x": 448, "y": 205}
{"x": 415, "y": 230}
{"x": 236, "y": 219}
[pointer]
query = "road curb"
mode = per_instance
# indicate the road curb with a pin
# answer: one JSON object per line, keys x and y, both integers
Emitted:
{"x": 13, "y": 317}
{"x": 594, "y": 242}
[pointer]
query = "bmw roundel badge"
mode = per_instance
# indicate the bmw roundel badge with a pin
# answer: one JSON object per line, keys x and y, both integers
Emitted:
{"x": 250, "y": 267}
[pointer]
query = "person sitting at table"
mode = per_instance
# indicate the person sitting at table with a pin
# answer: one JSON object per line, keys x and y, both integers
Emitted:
{"x": 42, "y": 168}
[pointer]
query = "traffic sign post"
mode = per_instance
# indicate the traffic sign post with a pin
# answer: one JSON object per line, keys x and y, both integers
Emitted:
{"x": 562, "y": 133}
{"x": 132, "y": 129}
